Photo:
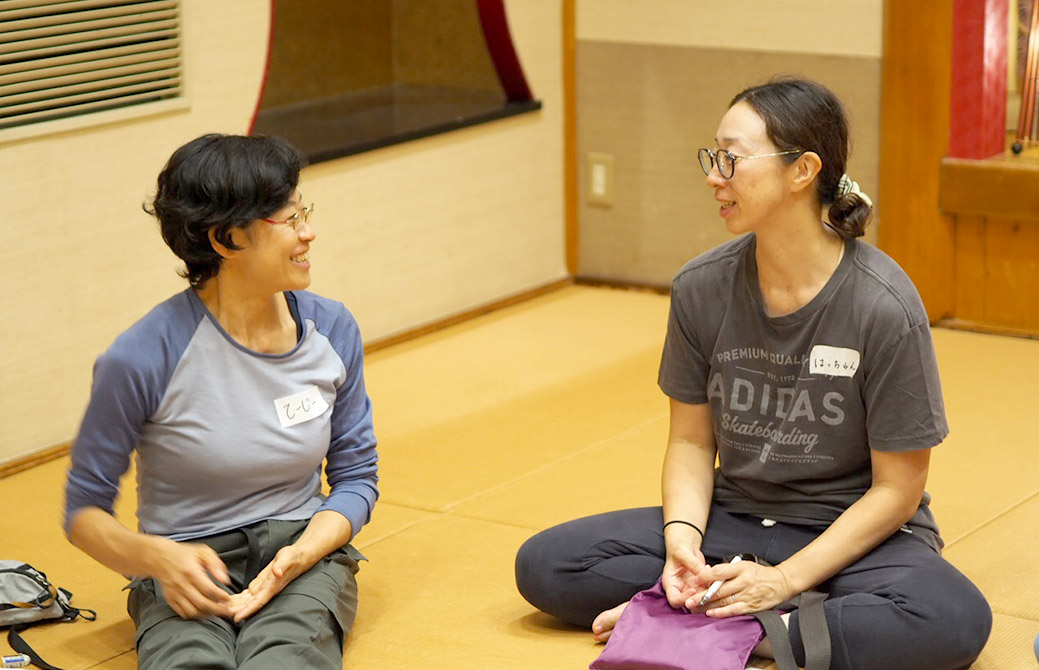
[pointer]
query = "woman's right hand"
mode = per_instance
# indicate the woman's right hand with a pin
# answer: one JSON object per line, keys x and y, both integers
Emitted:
{"x": 684, "y": 562}
{"x": 186, "y": 572}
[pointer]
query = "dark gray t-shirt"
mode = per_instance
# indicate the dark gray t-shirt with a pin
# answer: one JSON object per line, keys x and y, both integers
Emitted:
{"x": 799, "y": 400}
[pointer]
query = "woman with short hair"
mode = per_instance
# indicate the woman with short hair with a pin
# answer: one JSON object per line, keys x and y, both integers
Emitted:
{"x": 230, "y": 396}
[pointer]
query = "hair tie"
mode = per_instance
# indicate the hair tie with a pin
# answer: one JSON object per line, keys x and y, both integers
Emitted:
{"x": 846, "y": 186}
{"x": 687, "y": 523}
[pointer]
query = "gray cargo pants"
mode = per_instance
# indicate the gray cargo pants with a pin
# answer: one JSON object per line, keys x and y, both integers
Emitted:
{"x": 304, "y": 626}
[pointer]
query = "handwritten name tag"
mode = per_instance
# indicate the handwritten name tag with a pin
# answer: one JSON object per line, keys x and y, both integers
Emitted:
{"x": 300, "y": 407}
{"x": 834, "y": 361}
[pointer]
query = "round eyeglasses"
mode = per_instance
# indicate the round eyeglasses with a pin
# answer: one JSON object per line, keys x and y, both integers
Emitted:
{"x": 726, "y": 160}
{"x": 302, "y": 215}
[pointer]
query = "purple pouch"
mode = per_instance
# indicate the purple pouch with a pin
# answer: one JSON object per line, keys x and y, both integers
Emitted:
{"x": 651, "y": 635}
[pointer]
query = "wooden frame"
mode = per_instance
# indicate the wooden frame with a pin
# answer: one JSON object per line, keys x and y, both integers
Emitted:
{"x": 914, "y": 137}
{"x": 570, "y": 135}
{"x": 966, "y": 231}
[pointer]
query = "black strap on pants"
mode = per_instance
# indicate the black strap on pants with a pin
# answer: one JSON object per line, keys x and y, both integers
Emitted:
{"x": 253, "y": 558}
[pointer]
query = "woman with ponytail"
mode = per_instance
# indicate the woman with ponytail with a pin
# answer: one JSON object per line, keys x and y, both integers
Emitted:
{"x": 800, "y": 360}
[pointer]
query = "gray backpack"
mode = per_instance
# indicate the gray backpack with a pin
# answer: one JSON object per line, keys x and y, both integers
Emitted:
{"x": 27, "y": 598}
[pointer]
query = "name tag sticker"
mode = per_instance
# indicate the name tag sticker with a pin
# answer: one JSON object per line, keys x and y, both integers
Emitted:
{"x": 300, "y": 407}
{"x": 834, "y": 361}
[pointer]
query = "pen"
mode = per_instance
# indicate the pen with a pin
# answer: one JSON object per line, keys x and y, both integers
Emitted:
{"x": 15, "y": 661}
{"x": 713, "y": 588}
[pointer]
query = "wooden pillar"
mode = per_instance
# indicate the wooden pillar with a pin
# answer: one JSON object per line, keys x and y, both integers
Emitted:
{"x": 570, "y": 134}
{"x": 914, "y": 137}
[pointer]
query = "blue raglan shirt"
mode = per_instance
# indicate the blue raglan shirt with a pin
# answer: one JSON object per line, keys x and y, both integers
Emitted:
{"x": 225, "y": 436}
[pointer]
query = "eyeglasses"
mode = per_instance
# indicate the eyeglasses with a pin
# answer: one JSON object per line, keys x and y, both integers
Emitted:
{"x": 726, "y": 160}
{"x": 302, "y": 215}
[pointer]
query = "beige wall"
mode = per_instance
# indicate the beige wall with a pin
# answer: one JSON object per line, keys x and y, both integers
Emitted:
{"x": 842, "y": 27}
{"x": 406, "y": 235}
{"x": 653, "y": 80}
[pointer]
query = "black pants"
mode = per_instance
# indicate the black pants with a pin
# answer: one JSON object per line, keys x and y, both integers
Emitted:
{"x": 900, "y": 606}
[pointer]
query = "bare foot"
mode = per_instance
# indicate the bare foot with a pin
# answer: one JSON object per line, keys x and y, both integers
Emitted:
{"x": 604, "y": 623}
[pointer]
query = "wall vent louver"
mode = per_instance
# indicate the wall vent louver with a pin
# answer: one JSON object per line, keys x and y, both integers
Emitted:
{"x": 64, "y": 58}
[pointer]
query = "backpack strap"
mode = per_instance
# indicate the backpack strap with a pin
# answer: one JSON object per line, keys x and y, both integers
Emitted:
{"x": 49, "y": 594}
{"x": 22, "y": 647}
{"x": 70, "y": 613}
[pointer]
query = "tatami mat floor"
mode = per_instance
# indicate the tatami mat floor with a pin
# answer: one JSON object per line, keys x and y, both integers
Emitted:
{"x": 548, "y": 410}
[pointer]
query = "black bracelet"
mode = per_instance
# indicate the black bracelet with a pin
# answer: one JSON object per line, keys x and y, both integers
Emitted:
{"x": 688, "y": 523}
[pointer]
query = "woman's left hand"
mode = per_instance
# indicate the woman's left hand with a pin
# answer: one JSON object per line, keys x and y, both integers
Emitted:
{"x": 288, "y": 564}
{"x": 748, "y": 587}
